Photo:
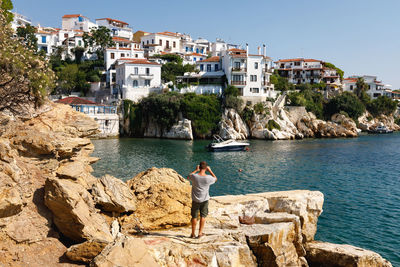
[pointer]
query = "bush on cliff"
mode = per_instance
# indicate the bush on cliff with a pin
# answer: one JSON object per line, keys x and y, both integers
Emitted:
{"x": 204, "y": 111}
{"x": 383, "y": 105}
{"x": 347, "y": 102}
{"x": 312, "y": 101}
{"x": 272, "y": 124}
{"x": 231, "y": 99}
{"x": 25, "y": 78}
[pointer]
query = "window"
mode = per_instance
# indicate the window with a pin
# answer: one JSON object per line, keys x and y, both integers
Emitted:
{"x": 136, "y": 70}
{"x": 122, "y": 55}
{"x": 201, "y": 67}
{"x": 152, "y": 41}
{"x": 237, "y": 78}
{"x": 79, "y": 43}
{"x": 174, "y": 44}
{"x": 167, "y": 44}
{"x": 256, "y": 65}
{"x": 351, "y": 87}
{"x": 147, "y": 71}
{"x": 80, "y": 19}
{"x": 208, "y": 67}
{"x": 112, "y": 55}
{"x": 65, "y": 35}
{"x": 136, "y": 55}
{"x": 253, "y": 78}
{"x": 297, "y": 63}
{"x": 107, "y": 122}
{"x": 135, "y": 83}
{"x": 160, "y": 42}
{"x": 187, "y": 49}
{"x": 237, "y": 65}
{"x": 202, "y": 50}
{"x": 197, "y": 50}
{"x": 194, "y": 59}
{"x": 146, "y": 82}
{"x": 255, "y": 90}
{"x": 147, "y": 41}
{"x": 44, "y": 39}
{"x": 216, "y": 67}
{"x": 143, "y": 42}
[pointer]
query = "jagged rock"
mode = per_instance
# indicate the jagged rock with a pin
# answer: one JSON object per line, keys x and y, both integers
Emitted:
{"x": 181, "y": 130}
{"x": 273, "y": 244}
{"x": 74, "y": 212}
{"x": 125, "y": 251}
{"x": 10, "y": 201}
{"x": 335, "y": 255}
{"x": 113, "y": 195}
{"x": 86, "y": 251}
{"x": 232, "y": 126}
{"x": 163, "y": 200}
{"x": 367, "y": 122}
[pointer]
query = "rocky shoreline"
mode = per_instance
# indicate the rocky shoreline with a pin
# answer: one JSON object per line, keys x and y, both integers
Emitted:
{"x": 53, "y": 211}
{"x": 289, "y": 122}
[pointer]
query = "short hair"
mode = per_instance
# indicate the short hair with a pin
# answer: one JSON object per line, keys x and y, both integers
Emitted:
{"x": 203, "y": 165}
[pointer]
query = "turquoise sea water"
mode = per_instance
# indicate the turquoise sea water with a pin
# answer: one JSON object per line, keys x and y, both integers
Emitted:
{"x": 359, "y": 177}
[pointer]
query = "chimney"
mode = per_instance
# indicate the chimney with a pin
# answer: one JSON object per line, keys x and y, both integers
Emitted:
{"x": 259, "y": 50}
{"x": 265, "y": 50}
{"x": 247, "y": 49}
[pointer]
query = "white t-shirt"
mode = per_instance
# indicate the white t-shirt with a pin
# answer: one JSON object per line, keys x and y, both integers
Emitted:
{"x": 200, "y": 187}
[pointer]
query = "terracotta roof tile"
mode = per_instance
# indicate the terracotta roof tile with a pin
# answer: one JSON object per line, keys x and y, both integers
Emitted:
{"x": 75, "y": 101}
{"x": 119, "y": 21}
{"x": 211, "y": 59}
{"x": 195, "y": 54}
{"x": 72, "y": 16}
{"x": 119, "y": 39}
{"x": 298, "y": 59}
{"x": 141, "y": 61}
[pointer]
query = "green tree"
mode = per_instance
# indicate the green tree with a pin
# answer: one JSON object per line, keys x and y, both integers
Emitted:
{"x": 347, "y": 102}
{"x": 98, "y": 40}
{"x": 78, "y": 53}
{"x": 338, "y": 71}
{"x": 281, "y": 83}
{"x": 25, "y": 78}
{"x": 71, "y": 79}
{"x": 27, "y": 34}
{"x": 5, "y": 7}
{"x": 361, "y": 86}
{"x": 311, "y": 100}
{"x": 382, "y": 105}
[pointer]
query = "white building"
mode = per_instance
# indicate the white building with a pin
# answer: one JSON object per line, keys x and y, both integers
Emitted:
{"x": 19, "y": 21}
{"x": 113, "y": 54}
{"x": 209, "y": 79}
{"x": 375, "y": 88}
{"x": 118, "y": 28}
{"x": 155, "y": 43}
{"x": 249, "y": 72}
{"x": 192, "y": 58}
{"x": 77, "y": 22}
{"x": 219, "y": 45}
{"x": 136, "y": 78}
{"x": 302, "y": 70}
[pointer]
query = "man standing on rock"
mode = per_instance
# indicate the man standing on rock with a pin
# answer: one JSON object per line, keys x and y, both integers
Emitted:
{"x": 200, "y": 186}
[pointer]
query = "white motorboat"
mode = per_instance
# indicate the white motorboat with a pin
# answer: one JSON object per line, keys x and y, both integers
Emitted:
{"x": 220, "y": 144}
{"x": 380, "y": 129}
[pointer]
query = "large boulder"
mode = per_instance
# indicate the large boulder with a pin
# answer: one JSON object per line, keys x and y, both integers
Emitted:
{"x": 74, "y": 211}
{"x": 113, "y": 195}
{"x": 335, "y": 255}
{"x": 163, "y": 200}
{"x": 232, "y": 126}
{"x": 86, "y": 251}
{"x": 125, "y": 251}
{"x": 180, "y": 130}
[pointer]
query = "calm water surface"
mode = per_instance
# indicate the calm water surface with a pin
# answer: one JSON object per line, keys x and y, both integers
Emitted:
{"x": 359, "y": 178}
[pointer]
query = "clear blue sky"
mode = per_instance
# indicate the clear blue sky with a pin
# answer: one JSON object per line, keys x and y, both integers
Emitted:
{"x": 359, "y": 36}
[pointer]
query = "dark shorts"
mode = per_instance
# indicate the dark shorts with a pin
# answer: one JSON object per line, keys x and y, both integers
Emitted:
{"x": 202, "y": 207}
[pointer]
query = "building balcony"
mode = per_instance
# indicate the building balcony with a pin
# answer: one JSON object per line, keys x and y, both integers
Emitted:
{"x": 142, "y": 76}
{"x": 238, "y": 83}
{"x": 239, "y": 69}
{"x": 268, "y": 70}
{"x": 265, "y": 83}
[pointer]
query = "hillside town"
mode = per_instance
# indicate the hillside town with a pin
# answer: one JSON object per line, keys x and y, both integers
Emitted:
{"x": 134, "y": 64}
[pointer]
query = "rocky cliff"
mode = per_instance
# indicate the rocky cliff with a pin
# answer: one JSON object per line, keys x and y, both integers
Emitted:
{"x": 54, "y": 212}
